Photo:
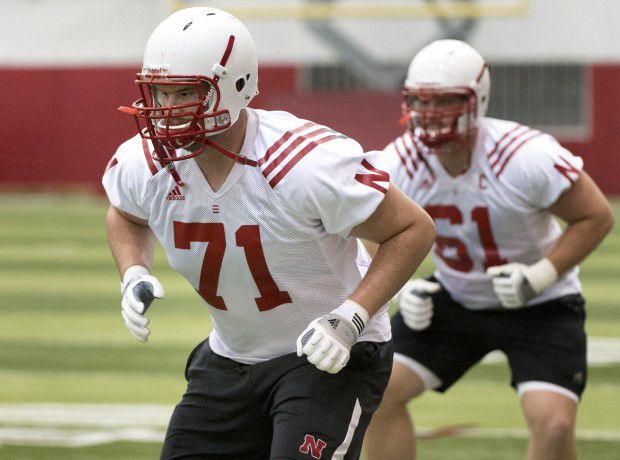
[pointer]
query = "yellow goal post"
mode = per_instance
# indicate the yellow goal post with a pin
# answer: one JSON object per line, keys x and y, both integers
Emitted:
{"x": 382, "y": 9}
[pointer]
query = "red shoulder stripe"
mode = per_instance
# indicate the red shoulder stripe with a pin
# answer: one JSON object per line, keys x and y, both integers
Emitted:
{"x": 403, "y": 161}
{"x": 302, "y": 153}
{"x": 291, "y": 147}
{"x": 414, "y": 163}
{"x": 511, "y": 154}
{"x": 285, "y": 137}
{"x": 504, "y": 149}
{"x": 421, "y": 155}
{"x": 402, "y": 156}
{"x": 508, "y": 133}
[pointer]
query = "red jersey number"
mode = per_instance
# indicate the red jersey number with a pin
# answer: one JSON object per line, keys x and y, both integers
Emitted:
{"x": 462, "y": 261}
{"x": 247, "y": 237}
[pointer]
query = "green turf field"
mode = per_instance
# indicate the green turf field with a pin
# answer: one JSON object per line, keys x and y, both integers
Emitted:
{"x": 62, "y": 341}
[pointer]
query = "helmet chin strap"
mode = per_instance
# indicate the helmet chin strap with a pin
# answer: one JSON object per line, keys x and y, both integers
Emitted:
{"x": 169, "y": 164}
{"x": 241, "y": 159}
{"x": 448, "y": 151}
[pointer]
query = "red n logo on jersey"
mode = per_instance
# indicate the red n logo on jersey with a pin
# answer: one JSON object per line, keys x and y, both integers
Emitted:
{"x": 372, "y": 179}
{"x": 113, "y": 162}
{"x": 567, "y": 169}
{"x": 312, "y": 446}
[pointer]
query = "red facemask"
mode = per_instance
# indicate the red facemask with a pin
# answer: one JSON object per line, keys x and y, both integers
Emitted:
{"x": 438, "y": 116}
{"x": 174, "y": 127}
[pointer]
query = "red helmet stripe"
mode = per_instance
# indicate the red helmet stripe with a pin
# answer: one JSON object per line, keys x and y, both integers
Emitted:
{"x": 229, "y": 47}
{"x": 479, "y": 77}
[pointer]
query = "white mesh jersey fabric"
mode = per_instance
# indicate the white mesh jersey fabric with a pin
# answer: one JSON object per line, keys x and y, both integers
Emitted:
{"x": 267, "y": 255}
{"x": 494, "y": 212}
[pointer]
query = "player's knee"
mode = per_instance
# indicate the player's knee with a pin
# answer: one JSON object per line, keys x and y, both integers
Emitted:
{"x": 403, "y": 386}
{"x": 553, "y": 427}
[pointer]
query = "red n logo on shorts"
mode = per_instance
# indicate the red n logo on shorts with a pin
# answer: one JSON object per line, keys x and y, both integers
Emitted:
{"x": 312, "y": 446}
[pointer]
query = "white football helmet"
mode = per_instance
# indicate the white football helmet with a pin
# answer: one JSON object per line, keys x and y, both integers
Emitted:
{"x": 203, "y": 48}
{"x": 446, "y": 93}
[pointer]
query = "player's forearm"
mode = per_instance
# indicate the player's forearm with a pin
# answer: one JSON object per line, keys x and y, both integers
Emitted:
{"x": 131, "y": 243}
{"x": 371, "y": 247}
{"x": 394, "y": 263}
{"x": 579, "y": 239}
{"x": 589, "y": 218}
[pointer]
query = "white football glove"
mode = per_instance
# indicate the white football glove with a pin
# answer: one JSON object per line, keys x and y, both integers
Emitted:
{"x": 139, "y": 289}
{"x": 415, "y": 303}
{"x": 327, "y": 340}
{"x": 516, "y": 284}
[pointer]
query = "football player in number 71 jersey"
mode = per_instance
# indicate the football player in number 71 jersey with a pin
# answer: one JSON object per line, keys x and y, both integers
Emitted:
{"x": 261, "y": 212}
{"x": 506, "y": 274}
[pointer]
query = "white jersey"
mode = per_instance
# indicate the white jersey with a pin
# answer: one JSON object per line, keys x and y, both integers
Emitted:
{"x": 493, "y": 213}
{"x": 269, "y": 251}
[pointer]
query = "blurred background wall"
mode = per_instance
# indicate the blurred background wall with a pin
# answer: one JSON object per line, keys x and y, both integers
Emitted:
{"x": 66, "y": 65}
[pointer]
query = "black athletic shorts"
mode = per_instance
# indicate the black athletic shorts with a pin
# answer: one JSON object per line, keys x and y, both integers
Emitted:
{"x": 544, "y": 342}
{"x": 283, "y": 408}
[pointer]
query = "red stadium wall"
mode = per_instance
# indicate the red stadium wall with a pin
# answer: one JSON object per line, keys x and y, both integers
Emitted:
{"x": 59, "y": 127}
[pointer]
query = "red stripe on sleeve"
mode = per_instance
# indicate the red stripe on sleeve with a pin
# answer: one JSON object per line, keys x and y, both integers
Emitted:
{"x": 505, "y": 148}
{"x": 302, "y": 153}
{"x": 414, "y": 163}
{"x": 402, "y": 160}
{"x": 293, "y": 145}
{"x": 511, "y": 154}
{"x": 285, "y": 137}
{"x": 502, "y": 139}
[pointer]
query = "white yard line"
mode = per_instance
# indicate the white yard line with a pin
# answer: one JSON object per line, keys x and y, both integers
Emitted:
{"x": 76, "y": 438}
{"x": 75, "y": 425}
{"x": 86, "y": 415}
{"x": 516, "y": 433}
{"x": 80, "y": 438}
{"x": 601, "y": 352}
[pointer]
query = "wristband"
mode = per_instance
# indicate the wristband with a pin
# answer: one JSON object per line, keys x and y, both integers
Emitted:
{"x": 133, "y": 272}
{"x": 542, "y": 274}
{"x": 353, "y": 312}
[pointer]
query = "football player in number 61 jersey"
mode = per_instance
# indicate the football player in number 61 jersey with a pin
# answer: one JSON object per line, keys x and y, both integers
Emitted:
{"x": 506, "y": 274}
{"x": 261, "y": 212}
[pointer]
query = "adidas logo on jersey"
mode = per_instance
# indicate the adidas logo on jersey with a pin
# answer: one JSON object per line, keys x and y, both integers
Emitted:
{"x": 175, "y": 194}
{"x": 482, "y": 182}
{"x": 426, "y": 183}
